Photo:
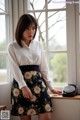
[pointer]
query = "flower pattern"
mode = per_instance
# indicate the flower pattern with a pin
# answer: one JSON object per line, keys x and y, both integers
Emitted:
{"x": 20, "y": 110}
{"x": 33, "y": 99}
{"x": 47, "y": 107}
{"x": 28, "y": 75}
{"x": 33, "y": 73}
{"x": 16, "y": 92}
{"x": 12, "y": 101}
{"x": 31, "y": 112}
{"x": 43, "y": 84}
{"x": 37, "y": 90}
{"x": 39, "y": 74}
{"x": 48, "y": 92}
{"x": 41, "y": 101}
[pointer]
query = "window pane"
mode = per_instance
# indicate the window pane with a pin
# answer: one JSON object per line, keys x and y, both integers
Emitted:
{"x": 37, "y": 4}
{"x": 2, "y": 33}
{"x": 57, "y": 30}
{"x": 2, "y": 5}
{"x": 56, "y": 24}
{"x": 2, "y": 61}
{"x": 58, "y": 66}
{"x": 41, "y": 31}
{"x": 56, "y": 4}
{"x": 3, "y": 75}
{"x": 3, "y": 68}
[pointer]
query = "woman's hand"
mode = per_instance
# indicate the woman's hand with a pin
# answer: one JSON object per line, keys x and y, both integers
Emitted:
{"x": 56, "y": 91}
{"x": 27, "y": 92}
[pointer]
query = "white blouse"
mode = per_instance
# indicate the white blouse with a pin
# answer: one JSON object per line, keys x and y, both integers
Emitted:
{"x": 27, "y": 55}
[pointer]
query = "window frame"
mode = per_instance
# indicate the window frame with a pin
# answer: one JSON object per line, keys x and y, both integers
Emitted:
{"x": 72, "y": 42}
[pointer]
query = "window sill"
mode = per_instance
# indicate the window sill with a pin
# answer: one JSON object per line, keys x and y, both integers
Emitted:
{"x": 4, "y": 83}
{"x": 54, "y": 96}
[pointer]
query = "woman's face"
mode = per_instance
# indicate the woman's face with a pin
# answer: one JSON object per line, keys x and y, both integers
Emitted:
{"x": 28, "y": 34}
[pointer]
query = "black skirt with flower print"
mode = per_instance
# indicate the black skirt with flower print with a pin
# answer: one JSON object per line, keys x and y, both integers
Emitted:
{"x": 41, "y": 101}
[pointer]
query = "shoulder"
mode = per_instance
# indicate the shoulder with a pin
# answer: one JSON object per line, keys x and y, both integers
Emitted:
{"x": 12, "y": 44}
{"x": 37, "y": 43}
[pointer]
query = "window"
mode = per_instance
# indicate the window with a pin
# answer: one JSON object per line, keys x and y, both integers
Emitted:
{"x": 58, "y": 33}
{"x": 51, "y": 18}
{"x": 4, "y": 36}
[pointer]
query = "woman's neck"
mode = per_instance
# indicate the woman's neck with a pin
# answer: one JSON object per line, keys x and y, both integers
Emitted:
{"x": 27, "y": 42}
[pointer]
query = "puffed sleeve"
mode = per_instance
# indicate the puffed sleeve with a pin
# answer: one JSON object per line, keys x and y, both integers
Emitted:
{"x": 14, "y": 67}
{"x": 44, "y": 69}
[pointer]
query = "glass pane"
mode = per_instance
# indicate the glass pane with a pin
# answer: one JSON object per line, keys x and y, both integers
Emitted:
{"x": 3, "y": 69}
{"x": 37, "y": 4}
{"x": 2, "y": 61}
{"x": 2, "y": 5}
{"x": 58, "y": 68}
{"x": 56, "y": 4}
{"x": 57, "y": 30}
{"x": 2, "y": 33}
{"x": 3, "y": 75}
{"x": 41, "y": 30}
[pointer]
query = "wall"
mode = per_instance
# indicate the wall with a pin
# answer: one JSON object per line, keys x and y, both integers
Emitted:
{"x": 5, "y": 94}
{"x": 64, "y": 109}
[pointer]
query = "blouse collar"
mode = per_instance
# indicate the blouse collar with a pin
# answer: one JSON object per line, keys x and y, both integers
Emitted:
{"x": 24, "y": 45}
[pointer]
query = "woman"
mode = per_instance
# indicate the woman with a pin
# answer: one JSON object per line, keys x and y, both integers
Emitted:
{"x": 29, "y": 93}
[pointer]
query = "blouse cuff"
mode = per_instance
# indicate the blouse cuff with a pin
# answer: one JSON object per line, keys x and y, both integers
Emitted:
{"x": 22, "y": 84}
{"x": 50, "y": 86}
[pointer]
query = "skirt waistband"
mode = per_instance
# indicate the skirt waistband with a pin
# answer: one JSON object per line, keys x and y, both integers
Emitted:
{"x": 29, "y": 68}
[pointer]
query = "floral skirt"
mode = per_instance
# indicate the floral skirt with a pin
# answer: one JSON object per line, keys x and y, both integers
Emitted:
{"x": 41, "y": 101}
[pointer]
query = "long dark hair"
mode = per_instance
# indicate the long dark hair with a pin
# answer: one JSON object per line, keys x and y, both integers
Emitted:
{"x": 23, "y": 23}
